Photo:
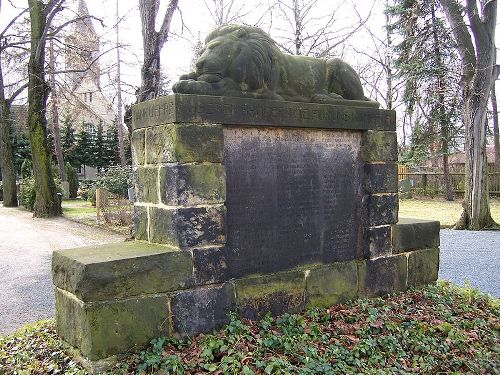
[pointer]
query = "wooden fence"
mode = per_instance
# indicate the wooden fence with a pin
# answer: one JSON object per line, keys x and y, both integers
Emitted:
{"x": 431, "y": 180}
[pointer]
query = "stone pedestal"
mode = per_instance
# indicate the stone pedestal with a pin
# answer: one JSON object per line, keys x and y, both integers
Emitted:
{"x": 249, "y": 206}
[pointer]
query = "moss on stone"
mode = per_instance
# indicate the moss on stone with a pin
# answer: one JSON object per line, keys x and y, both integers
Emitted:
{"x": 159, "y": 144}
{"x": 423, "y": 267}
{"x": 380, "y": 146}
{"x": 138, "y": 146}
{"x": 199, "y": 143}
{"x": 193, "y": 184}
{"x": 147, "y": 184}
{"x": 120, "y": 326}
{"x": 121, "y": 270}
{"x": 276, "y": 293}
{"x": 331, "y": 284}
{"x": 140, "y": 223}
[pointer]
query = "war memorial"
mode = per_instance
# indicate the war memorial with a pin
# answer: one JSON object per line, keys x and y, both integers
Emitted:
{"x": 265, "y": 183}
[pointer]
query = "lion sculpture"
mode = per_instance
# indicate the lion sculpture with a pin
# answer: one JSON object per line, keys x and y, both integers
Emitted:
{"x": 244, "y": 61}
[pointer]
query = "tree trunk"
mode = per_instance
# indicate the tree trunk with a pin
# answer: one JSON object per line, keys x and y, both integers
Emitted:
{"x": 119, "y": 122}
{"x": 55, "y": 115}
{"x": 496, "y": 138}
{"x": 6, "y": 153}
{"x": 153, "y": 41}
{"x": 440, "y": 109}
{"x": 46, "y": 203}
{"x": 388, "y": 60}
{"x": 477, "y": 78}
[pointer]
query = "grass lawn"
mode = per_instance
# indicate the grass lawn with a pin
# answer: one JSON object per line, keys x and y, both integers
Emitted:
{"x": 83, "y": 212}
{"x": 446, "y": 212}
{"x": 438, "y": 329}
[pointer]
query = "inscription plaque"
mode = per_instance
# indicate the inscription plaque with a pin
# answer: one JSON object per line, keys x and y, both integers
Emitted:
{"x": 346, "y": 114}
{"x": 293, "y": 197}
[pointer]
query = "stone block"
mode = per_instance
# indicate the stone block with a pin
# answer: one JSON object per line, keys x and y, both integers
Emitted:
{"x": 276, "y": 293}
{"x": 186, "y": 227}
{"x": 411, "y": 234}
{"x": 192, "y": 184}
{"x": 210, "y": 265}
{"x": 380, "y": 146}
{"x": 381, "y": 178}
{"x": 121, "y": 270}
{"x": 378, "y": 241}
{"x": 138, "y": 146}
{"x": 140, "y": 223}
{"x": 160, "y": 142}
{"x": 146, "y": 186}
{"x": 178, "y": 108}
{"x": 382, "y": 209}
{"x": 333, "y": 283}
{"x": 382, "y": 275}
{"x": 423, "y": 267}
{"x": 202, "y": 309}
{"x": 186, "y": 143}
{"x": 199, "y": 143}
{"x": 102, "y": 329}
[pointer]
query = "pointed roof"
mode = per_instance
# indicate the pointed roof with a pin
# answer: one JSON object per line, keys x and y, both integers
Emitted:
{"x": 84, "y": 25}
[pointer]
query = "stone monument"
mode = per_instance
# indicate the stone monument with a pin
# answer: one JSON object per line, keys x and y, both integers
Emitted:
{"x": 260, "y": 186}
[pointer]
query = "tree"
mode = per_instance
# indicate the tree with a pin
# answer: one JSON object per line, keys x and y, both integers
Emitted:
{"x": 311, "y": 30}
{"x": 476, "y": 45}
{"x": 7, "y": 158}
{"x": 426, "y": 63}
{"x": 84, "y": 148}
{"x": 153, "y": 42}
{"x": 46, "y": 202}
{"x": 119, "y": 116}
{"x": 68, "y": 142}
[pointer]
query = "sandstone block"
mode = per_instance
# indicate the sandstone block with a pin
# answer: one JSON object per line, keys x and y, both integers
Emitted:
{"x": 192, "y": 184}
{"x": 121, "y": 270}
{"x": 276, "y": 293}
{"x": 378, "y": 241}
{"x": 186, "y": 227}
{"x": 380, "y": 146}
{"x": 383, "y": 275}
{"x": 423, "y": 267}
{"x": 202, "y": 309}
{"x": 411, "y": 234}
{"x": 104, "y": 329}
{"x": 381, "y": 178}
{"x": 331, "y": 284}
{"x": 210, "y": 265}
{"x": 138, "y": 143}
{"x": 382, "y": 209}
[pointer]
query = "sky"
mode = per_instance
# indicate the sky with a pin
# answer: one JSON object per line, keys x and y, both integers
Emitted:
{"x": 194, "y": 20}
{"x": 190, "y": 24}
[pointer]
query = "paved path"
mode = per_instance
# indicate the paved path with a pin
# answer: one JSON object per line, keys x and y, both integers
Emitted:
{"x": 473, "y": 256}
{"x": 26, "y": 246}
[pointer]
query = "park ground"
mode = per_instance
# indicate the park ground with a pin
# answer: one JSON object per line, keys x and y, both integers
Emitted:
{"x": 28, "y": 297}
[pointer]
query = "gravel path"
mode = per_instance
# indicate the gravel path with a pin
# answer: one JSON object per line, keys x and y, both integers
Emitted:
{"x": 26, "y": 247}
{"x": 473, "y": 256}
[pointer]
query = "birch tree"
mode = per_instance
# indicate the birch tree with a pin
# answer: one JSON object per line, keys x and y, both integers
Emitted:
{"x": 476, "y": 45}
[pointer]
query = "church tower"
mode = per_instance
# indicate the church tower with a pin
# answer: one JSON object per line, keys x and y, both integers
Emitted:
{"x": 82, "y": 49}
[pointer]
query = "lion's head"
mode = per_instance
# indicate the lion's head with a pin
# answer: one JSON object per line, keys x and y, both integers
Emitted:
{"x": 245, "y": 54}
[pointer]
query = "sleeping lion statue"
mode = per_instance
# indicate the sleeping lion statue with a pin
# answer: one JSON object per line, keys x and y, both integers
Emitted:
{"x": 244, "y": 61}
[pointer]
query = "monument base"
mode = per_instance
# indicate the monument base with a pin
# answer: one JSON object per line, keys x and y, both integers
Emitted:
{"x": 114, "y": 298}
{"x": 245, "y": 205}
